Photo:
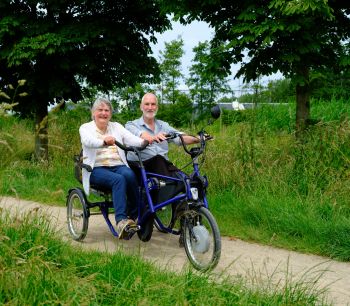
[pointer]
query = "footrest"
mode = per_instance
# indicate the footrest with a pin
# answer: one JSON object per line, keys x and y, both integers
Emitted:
{"x": 132, "y": 228}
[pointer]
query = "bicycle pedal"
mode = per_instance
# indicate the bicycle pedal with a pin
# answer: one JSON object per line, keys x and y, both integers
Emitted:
{"x": 132, "y": 228}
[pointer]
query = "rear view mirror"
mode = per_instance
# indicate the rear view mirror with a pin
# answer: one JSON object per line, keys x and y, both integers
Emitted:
{"x": 215, "y": 112}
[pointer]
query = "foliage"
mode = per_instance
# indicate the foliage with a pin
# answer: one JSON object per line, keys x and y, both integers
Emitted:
{"x": 170, "y": 65}
{"x": 292, "y": 193}
{"x": 11, "y": 102}
{"x": 261, "y": 180}
{"x": 276, "y": 91}
{"x": 206, "y": 83}
{"x": 38, "y": 268}
{"x": 11, "y": 149}
{"x": 329, "y": 85}
{"x": 53, "y": 38}
{"x": 266, "y": 37}
{"x": 8, "y": 141}
{"x": 279, "y": 91}
{"x": 48, "y": 44}
{"x": 178, "y": 114}
{"x": 129, "y": 98}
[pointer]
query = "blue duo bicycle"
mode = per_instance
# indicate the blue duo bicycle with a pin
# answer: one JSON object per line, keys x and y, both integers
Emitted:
{"x": 186, "y": 214}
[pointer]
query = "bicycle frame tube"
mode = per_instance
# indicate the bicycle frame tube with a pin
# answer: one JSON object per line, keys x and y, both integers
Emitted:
{"x": 147, "y": 187}
{"x": 196, "y": 173}
{"x": 149, "y": 181}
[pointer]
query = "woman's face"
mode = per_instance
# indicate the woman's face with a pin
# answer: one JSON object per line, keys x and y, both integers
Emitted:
{"x": 102, "y": 114}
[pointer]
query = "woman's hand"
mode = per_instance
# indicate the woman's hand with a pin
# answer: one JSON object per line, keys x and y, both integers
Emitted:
{"x": 109, "y": 140}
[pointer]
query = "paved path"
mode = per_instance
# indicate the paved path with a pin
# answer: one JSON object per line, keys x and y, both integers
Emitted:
{"x": 257, "y": 263}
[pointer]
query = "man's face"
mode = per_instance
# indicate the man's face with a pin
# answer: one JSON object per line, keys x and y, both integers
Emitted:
{"x": 149, "y": 107}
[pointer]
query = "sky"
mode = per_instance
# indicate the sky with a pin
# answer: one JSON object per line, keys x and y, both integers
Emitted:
{"x": 192, "y": 34}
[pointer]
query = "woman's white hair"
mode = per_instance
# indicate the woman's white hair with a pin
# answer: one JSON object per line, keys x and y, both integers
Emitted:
{"x": 98, "y": 102}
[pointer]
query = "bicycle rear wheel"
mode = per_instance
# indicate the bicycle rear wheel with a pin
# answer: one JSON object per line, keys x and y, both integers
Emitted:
{"x": 201, "y": 237}
{"x": 77, "y": 214}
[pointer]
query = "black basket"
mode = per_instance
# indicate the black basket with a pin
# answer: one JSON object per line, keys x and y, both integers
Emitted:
{"x": 78, "y": 161}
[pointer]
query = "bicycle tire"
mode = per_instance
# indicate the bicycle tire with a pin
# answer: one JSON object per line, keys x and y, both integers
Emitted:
{"x": 201, "y": 238}
{"x": 77, "y": 214}
{"x": 146, "y": 230}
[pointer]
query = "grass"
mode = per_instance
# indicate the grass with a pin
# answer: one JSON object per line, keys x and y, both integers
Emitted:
{"x": 305, "y": 226}
{"x": 264, "y": 186}
{"x": 38, "y": 268}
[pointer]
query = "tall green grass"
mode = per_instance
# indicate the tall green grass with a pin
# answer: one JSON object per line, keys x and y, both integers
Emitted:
{"x": 38, "y": 268}
{"x": 264, "y": 185}
{"x": 268, "y": 187}
{"x": 16, "y": 140}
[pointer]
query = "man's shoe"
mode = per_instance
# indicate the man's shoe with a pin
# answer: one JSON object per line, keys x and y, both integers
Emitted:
{"x": 122, "y": 227}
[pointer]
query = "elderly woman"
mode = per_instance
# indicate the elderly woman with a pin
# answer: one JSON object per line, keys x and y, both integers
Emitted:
{"x": 110, "y": 169}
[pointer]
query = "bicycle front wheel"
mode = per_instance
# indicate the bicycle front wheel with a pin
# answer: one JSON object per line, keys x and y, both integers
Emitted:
{"x": 201, "y": 237}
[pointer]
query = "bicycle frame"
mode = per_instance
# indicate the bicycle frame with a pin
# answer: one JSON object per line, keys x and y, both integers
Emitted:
{"x": 150, "y": 181}
{"x": 148, "y": 184}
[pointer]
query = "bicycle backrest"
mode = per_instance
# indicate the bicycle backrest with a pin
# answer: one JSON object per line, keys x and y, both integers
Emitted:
{"x": 78, "y": 161}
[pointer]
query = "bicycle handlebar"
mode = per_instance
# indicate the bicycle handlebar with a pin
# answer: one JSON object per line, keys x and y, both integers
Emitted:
{"x": 172, "y": 135}
{"x": 203, "y": 138}
{"x": 123, "y": 147}
{"x": 132, "y": 148}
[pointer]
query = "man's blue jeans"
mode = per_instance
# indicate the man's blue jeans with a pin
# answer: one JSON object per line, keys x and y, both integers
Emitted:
{"x": 122, "y": 181}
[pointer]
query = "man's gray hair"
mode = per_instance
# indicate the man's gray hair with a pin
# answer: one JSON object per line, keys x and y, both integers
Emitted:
{"x": 98, "y": 102}
{"x": 149, "y": 94}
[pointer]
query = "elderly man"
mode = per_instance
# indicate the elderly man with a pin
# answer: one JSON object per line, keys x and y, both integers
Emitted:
{"x": 155, "y": 156}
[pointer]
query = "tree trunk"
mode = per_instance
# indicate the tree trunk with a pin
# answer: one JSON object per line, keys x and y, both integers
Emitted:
{"x": 303, "y": 103}
{"x": 41, "y": 135}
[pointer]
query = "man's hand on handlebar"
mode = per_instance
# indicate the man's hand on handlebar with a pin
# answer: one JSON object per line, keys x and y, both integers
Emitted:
{"x": 204, "y": 135}
{"x": 207, "y": 137}
{"x": 189, "y": 139}
{"x": 156, "y": 138}
{"x": 160, "y": 137}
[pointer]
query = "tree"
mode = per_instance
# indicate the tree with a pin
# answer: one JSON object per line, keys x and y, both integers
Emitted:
{"x": 280, "y": 91}
{"x": 295, "y": 37}
{"x": 170, "y": 65}
{"x": 276, "y": 91}
{"x": 206, "y": 81}
{"x": 57, "y": 46}
{"x": 333, "y": 84}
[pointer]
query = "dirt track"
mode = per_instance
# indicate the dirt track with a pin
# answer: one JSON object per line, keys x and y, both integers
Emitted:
{"x": 238, "y": 259}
